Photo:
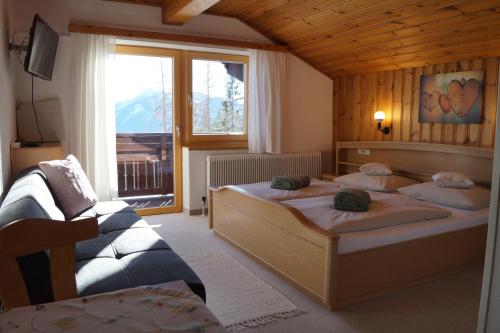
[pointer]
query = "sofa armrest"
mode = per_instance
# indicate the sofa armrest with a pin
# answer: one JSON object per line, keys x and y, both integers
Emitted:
{"x": 27, "y": 236}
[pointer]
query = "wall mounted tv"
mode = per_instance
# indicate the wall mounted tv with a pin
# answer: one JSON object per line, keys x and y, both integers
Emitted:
{"x": 42, "y": 49}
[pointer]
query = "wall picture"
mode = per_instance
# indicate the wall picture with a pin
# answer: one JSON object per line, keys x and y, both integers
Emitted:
{"x": 455, "y": 98}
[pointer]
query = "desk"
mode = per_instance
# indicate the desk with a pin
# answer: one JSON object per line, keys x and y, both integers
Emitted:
{"x": 25, "y": 157}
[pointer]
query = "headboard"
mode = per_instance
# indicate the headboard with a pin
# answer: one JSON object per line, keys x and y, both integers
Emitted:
{"x": 417, "y": 160}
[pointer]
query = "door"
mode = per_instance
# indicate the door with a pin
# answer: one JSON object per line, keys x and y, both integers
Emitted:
{"x": 146, "y": 87}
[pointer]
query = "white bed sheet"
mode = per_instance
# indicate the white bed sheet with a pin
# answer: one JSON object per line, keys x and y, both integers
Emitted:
{"x": 458, "y": 220}
{"x": 386, "y": 210}
{"x": 315, "y": 189}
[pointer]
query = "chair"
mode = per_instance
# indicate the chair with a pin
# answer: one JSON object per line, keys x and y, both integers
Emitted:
{"x": 41, "y": 234}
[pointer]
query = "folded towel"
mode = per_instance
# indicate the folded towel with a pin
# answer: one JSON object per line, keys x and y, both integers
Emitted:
{"x": 351, "y": 200}
{"x": 290, "y": 183}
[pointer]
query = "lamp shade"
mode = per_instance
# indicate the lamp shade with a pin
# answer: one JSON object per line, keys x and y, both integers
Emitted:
{"x": 379, "y": 115}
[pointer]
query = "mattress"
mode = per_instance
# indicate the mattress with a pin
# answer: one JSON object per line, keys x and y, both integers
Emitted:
{"x": 316, "y": 189}
{"x": 367, "y": 239}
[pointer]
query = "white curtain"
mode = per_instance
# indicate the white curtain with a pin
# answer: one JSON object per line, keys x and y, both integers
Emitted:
{"x": 266, "y": 96}
{"x": 93, "y": 132}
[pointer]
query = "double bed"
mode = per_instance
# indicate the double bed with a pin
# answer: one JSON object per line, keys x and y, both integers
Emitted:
{"x": 339, "y": 266}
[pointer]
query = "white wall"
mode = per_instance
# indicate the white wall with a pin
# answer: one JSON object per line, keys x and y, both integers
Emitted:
{"x": 308, "y": 111}
{"x": 7, "y": 107}
{"x": 308, "y": 108}
{"x": 194, "y": 176}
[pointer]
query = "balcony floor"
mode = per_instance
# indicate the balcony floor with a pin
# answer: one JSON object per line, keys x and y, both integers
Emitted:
{"x": 154, "y": 201}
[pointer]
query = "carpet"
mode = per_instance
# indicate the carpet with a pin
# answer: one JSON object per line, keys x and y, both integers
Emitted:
{"x": 237, "y": 297}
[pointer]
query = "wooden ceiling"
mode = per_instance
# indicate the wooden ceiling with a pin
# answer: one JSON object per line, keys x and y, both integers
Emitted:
{"x": 342, "y": 37}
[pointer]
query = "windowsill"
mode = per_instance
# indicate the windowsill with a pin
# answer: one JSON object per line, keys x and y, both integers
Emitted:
{"x": 228, "y": 145}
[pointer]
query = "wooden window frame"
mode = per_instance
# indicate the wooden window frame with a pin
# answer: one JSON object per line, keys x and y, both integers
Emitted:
{"x": 210, "y": 141}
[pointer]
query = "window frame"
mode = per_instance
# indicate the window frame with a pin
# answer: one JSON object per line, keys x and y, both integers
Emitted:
{"x": 176, "y": 55}
{"x": 210, "y": 141}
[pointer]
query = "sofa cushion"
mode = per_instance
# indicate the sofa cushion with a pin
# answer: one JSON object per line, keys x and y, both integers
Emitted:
{"x": 29, "y": 197}
{"x": 108, "y": 207}
{"x": 100, "y": 275}
{"x": 133, "y": 240}
{"x": 153, "y": 267}
{"x": 120, "y": 221}
{"x": 98, "y": 247}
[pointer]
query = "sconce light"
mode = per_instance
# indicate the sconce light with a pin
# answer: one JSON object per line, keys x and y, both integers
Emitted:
{"x": 379, "y": 117}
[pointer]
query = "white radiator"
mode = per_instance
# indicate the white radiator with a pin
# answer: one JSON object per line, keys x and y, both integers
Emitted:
{"x": 253, "y": 168}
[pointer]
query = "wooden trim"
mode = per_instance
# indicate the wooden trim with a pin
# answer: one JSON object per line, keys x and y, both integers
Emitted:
{"x": 417, "y": 160}
{"x": 179, "y": 12}
{"x": 41, "y": 234}
{"x": 87, "y": 28}
{"x": 477, "y": 151}
{"x": 488, "y": 320}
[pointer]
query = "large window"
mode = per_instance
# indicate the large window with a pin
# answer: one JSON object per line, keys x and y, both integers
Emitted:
{"x": 216, "y": 106}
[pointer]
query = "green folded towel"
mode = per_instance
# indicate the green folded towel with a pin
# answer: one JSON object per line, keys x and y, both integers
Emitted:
{"x": 290, "y": 183}
{"x": 351, "y": 200}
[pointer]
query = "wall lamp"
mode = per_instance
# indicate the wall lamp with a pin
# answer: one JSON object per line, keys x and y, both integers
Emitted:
{"x": 379, "y": 117}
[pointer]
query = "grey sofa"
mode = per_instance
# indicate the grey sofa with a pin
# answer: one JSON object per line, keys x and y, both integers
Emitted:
{"x": 127, "y": 252}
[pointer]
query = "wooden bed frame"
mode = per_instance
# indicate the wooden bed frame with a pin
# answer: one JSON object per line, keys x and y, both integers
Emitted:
{"x": 282, "y": 239}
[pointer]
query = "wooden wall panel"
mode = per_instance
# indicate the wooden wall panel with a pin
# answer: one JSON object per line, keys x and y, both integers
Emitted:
{"x": 357, "y": 97}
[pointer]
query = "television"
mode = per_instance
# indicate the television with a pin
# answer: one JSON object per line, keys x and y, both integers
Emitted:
{"x": 42, "y": 49}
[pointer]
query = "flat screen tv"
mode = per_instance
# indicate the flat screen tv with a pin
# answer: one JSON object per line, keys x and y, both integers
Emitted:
{"x": 42, "y": 49}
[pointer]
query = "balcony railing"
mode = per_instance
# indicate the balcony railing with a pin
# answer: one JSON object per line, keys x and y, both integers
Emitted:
{"x": 144, "y": 164}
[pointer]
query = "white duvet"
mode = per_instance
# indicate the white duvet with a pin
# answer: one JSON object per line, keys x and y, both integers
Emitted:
{"x": 385, "y": 210}
{"x": 315, "y": 189}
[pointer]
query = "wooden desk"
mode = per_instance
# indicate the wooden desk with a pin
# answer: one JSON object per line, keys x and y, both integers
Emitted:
{"x": 25, "y": 157}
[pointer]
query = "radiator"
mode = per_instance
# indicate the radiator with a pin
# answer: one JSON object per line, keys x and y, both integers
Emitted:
{"x": 253, "y": 168}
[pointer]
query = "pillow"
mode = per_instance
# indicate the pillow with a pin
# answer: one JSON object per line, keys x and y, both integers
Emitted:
{"x": 71, "y": 186}
{"x": 375, "y": 183}
{"x": 375, "y": 169}
{"x": 471, "y": 198}
{"x": 452, "y": 179}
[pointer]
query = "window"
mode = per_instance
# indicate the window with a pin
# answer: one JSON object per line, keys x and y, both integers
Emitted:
{"x": 216, "y": 100}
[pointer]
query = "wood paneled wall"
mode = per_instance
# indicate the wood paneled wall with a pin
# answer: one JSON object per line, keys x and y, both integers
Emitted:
{"x": 357, "y": 97}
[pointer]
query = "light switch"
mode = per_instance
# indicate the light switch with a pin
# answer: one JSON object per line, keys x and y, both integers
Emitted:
{"x": 363, "y": 151}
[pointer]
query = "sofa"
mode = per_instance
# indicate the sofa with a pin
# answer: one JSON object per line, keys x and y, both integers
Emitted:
{"x": 127, "y": 252}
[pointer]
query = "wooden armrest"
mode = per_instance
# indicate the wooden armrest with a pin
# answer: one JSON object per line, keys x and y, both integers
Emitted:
{"x": 27, "y": 236}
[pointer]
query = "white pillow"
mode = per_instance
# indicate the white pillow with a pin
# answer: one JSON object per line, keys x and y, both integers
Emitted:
{"x": 375, "y": 183}
{"x": 452, "y": 179}
{"x": 471, "y": 198}
{"x": 375, "y": 169}
{"x": 70, "y": 184}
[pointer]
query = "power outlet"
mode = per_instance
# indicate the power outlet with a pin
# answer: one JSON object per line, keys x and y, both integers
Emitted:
{"x": 363, "y": 151}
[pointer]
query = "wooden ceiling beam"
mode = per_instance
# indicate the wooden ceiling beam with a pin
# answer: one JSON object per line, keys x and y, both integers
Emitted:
{"x": 118, "y": 32}
{"x": 178, "y": 12}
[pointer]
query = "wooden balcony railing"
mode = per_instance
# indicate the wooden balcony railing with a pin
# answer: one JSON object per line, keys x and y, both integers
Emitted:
{"x": 144, "y": 164}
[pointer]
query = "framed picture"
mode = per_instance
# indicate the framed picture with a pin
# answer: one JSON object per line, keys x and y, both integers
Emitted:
{"x": 451, "y": 98}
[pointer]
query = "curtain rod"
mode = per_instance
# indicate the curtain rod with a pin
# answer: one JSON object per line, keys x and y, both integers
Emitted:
{"x": 119, "y": 32}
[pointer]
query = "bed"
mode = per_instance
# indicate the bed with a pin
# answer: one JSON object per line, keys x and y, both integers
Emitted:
{"x": 338, "y": 269}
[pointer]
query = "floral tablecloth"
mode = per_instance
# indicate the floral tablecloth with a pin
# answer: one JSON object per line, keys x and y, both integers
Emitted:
{"x": 169, "y": 307}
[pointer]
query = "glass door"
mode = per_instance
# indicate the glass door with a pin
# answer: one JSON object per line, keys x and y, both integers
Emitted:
{"x": 147, "y": 93}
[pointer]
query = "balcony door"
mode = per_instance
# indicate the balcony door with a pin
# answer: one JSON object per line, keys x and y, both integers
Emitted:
{"x": 147, "y": 96}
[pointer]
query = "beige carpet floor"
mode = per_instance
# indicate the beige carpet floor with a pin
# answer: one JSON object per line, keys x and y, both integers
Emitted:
{"x": 236, "y": 296}
{"x": 446, "y": 305}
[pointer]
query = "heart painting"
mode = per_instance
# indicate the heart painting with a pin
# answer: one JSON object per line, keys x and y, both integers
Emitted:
{"x": 451, "y": 98}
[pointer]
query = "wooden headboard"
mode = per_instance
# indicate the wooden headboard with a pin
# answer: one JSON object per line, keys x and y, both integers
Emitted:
{"x": 417, "y": 160}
